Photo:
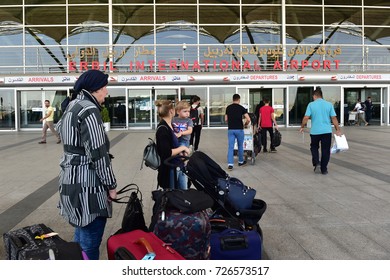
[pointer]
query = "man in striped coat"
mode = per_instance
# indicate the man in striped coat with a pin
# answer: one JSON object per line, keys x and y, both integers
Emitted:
{"x": 87, "y": 182}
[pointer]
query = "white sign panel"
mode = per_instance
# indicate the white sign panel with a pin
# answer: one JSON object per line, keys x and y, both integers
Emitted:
{"x": 40, "y": 80}
{"x": 363, "y": 77}
{"x": 152, "y": 78}
{"x": 262, "y": 77}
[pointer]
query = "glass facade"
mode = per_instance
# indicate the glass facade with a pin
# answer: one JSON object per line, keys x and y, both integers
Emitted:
{"x": 304, "y": 38}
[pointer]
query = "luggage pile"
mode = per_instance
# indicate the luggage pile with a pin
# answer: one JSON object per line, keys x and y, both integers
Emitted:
{"x": 217, "y": 220}
{"x": 39, "y": 242}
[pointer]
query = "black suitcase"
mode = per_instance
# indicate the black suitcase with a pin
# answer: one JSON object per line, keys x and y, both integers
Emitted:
{"x": 39, "y": 242}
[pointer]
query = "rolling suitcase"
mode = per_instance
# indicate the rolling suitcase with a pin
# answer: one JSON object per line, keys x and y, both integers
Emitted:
{"x": 139, "y": 245}
{"x": 230, "y": 240}
{"x": 39, "y": 242}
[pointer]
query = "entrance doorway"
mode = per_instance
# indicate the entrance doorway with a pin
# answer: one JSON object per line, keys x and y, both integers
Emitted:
{"x": 32, "y": 106}
{"x": 277, "y": 98}
{"x": 352, "y": 95}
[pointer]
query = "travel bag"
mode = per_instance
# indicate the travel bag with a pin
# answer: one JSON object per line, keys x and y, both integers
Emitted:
{"x": 39, "y": 242}
{"x": 188, "y": 233}
{"x": 235, "y": 244}
{"x": 139, "y": 245}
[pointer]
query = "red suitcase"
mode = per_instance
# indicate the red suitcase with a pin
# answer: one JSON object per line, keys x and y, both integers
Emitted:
{"x": 141, "y": 245}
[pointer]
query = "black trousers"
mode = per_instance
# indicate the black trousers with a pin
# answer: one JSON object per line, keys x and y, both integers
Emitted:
{"x": 264, "y": 136}
{"x": 325, "y": 140}
{"x": 195, "y": 135}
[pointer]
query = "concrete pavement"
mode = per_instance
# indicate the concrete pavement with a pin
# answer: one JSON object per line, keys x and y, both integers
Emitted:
{"x": 343, "y": 215}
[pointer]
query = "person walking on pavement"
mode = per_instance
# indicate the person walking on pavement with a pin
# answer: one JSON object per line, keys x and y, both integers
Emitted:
{"x": 369, "y": 108}
{"x": 360, "y": 109}
{"x": 320, "y": 112}
{"x": 48, "y": 120}
{"x": 234, "y": 117}
{"x": 197, "y": 120}
{"x": 266, "y": 122}
{"x": 87, "y": 184}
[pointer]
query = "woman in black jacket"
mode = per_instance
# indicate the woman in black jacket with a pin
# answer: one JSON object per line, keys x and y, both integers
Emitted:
{"x": 167, "y": 144}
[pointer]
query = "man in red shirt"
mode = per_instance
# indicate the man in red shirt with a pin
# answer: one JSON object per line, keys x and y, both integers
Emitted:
{"x": 266, "y": 121}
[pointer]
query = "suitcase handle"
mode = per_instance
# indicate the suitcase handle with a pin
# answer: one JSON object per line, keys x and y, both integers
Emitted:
{"x": 150, "y": 255}
{"x": 234, "y": 243}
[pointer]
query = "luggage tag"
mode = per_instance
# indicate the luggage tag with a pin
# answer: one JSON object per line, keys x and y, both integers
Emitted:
{"x": 150, "y": 255}
{"x": 46, "y": 235}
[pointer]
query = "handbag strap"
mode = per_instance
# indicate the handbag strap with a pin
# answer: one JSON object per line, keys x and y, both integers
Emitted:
{"x": 126, "y": 189}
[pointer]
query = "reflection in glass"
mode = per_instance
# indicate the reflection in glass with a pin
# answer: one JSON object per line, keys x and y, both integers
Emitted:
{"x": 220, "y": 98}
{"x": 188, "y": 92}
{"x": 139, "y": 108}
{"x": 7, "y": 109}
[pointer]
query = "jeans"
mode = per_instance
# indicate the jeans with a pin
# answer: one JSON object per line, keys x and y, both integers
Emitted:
{"x": 326, "y": 141}
{"x": 182, "y": 180}
{"x": 90, "y": 237}
{"x": 234, "y": 134}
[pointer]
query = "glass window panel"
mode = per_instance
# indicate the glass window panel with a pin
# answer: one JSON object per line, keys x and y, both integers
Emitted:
{"x": 41, "y": 15}
{"x": 220, "y": 98}
{"x": 175, "y": 1}
{"x": 294, "y": 2}
{"x": 219, "y": 14}
{"x": 376, "y": 16}
{"x": 303, "y": 15}
{"x": 134, "y": 14}
{"x": 217, "y": 1}
{"x": 344, "y": 36}
{"x": 45, "y": 35}
{"x": 166, "y": 14}
{"x": 343, "y": 15}
{"x": 11, "y": 2}
{"x": 344, "y": 2}
{"x": 11, "y": 36}
{"x": 262, "y": 35}
{"x": 48, "y": 59}
{"x": 127, "y": 1}
{"x": 176, "y": 34}
{"x": 88, "y": 35}
{"x": 13, "y": 15}
{"x": 377, "y": 55}
{"x": 218, "y": 33}
{"x": 11, "y": 56}
{"x": 377, "y": 35}
{"x": 80, "y": 14}
{"x": 7, "y": 109}
{"x": 375, "y": 3}
{"x": 121, "y": 36}
{"x": 188, "y": 92}
{"x": 264, "y": 14}
{"x": 261, "y": 1}
{"x": 88, "y": 1}
{"x": 43, "y": 2}
{"x": 301, "y": 33}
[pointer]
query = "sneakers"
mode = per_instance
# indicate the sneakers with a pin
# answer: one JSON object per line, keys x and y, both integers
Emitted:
{"x": 317, "y": 168}
{"x": 230, "y": 167}
{"x": 324, "y": 172}
{"x": 242, "y": 163}
{"x": 42, "y": 142}
{"x": 265, "y": 151}
{"x": 273, "y": 150}
{"x": 59, "y": 142}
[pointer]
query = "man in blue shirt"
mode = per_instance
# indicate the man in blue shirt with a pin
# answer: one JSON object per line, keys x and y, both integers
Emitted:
{"x": 320, "y": 112}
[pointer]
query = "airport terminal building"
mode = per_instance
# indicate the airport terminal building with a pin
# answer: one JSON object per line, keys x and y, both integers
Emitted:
{"x": 174, "y": 49}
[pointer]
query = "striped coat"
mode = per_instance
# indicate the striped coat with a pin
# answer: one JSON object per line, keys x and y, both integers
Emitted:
{"x": 86, "y": 172}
